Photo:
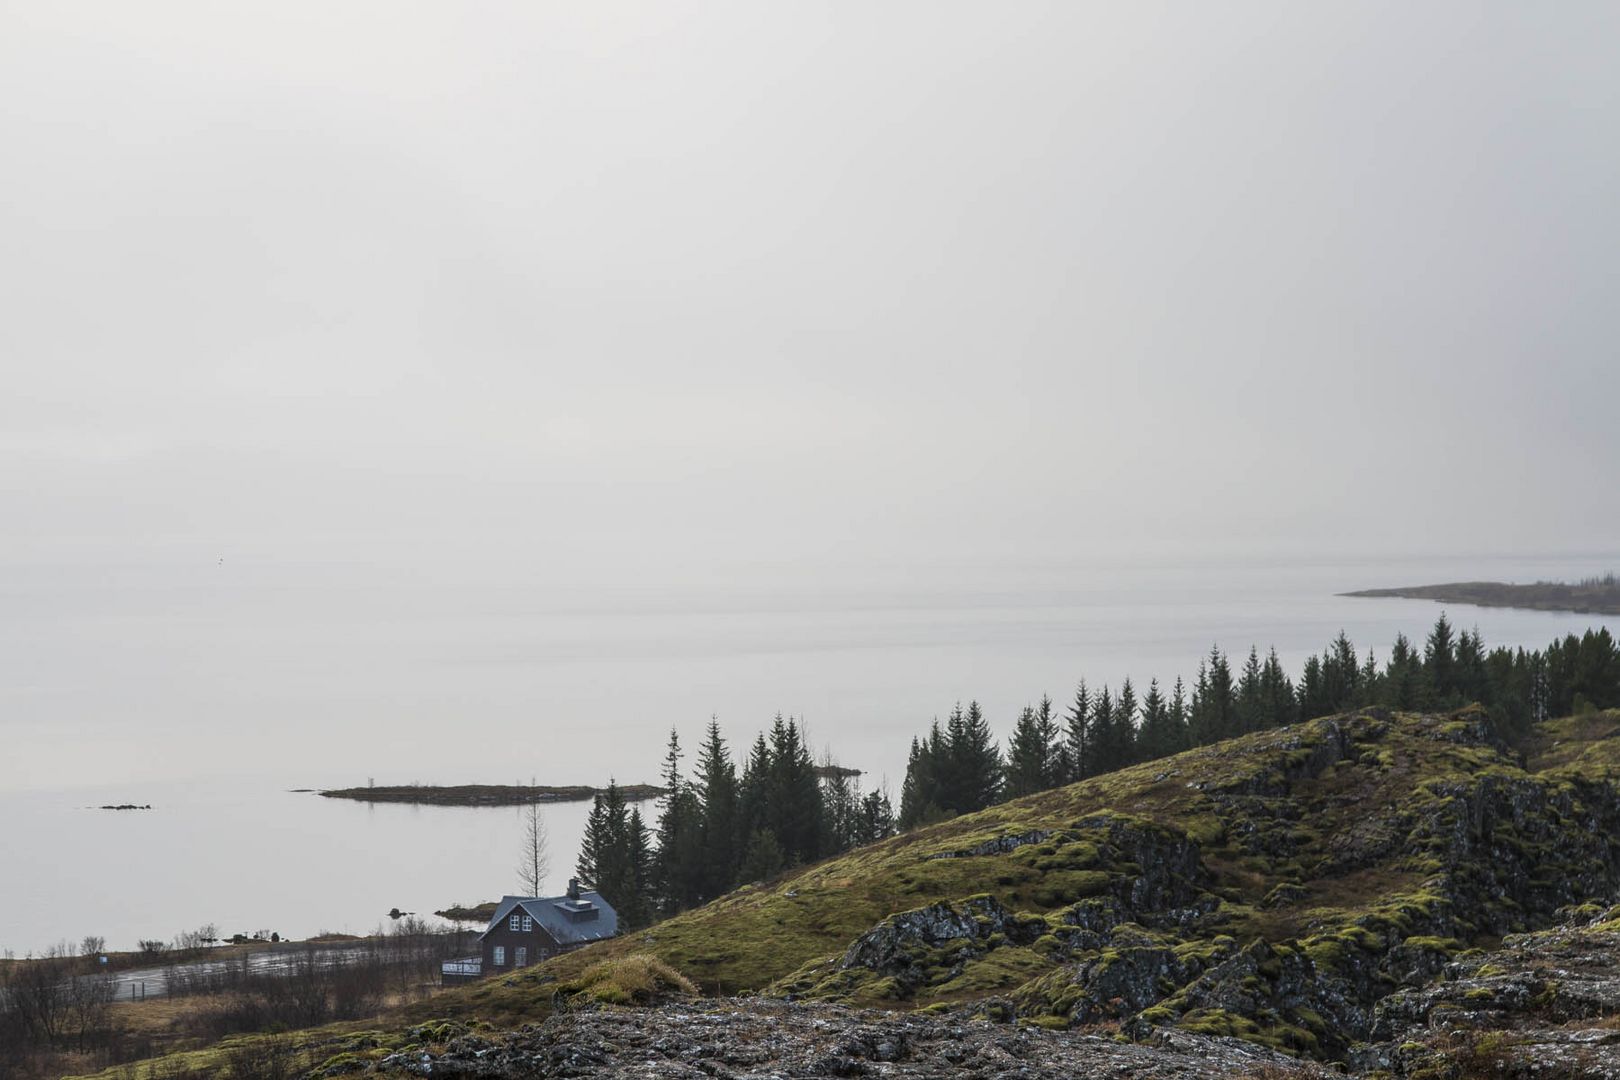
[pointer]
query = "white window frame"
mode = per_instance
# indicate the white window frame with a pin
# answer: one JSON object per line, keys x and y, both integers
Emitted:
{"x": 500, "y": 956}
{"x": 528, "y": 923}
{"x": 512, "y": 922}
{"x": 520, "y": 956}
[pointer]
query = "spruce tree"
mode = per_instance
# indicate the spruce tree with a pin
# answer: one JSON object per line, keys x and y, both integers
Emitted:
{"x": 1403, "y": 677}
{"x": 721, "y": 838}
{"x": 677, "y": 861}
{"x": 794, "y": 810}
{"x": 1222, "y": 698}
{"x": 1046, "y": 723}
{"x": 637, "y": 909}
{"x": 1078, "y": 751}
{"x": 876, "y": 818}
{"x": 1123, "y": 731}
{"x": 1103, "y": 741}
{"x": 1439, "y": 662}
{"x": 1027, "y": 753}
{"x": 1313, "y": 699}
{"x": 762, "y": 860}
{"x": 754, "y": 790}
{"x": 1278, "y": 707}
{"x": 1200, "y": 724}
{"x": 1179, "y": 738}
{"x": 1153, "y": 739}
{"x": 976, "y": 763}
{"x": 1250, "y": 700}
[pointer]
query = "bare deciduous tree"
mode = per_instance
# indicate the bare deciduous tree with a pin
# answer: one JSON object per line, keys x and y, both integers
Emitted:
{"x": 536, "y": 860}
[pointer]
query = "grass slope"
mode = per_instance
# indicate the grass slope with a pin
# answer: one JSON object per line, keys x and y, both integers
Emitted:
{"x": 1219, "y": 890}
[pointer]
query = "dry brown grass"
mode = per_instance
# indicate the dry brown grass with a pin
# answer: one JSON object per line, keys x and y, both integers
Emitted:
{"x": 638, "y": 979}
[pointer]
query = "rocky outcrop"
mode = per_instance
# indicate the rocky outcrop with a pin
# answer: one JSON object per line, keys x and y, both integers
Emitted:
{"x": 759, "y": 1039}
{"x": 1545, "y": 1004}
{"x": 999, "y": 845}
{"x": 905, "y": 947}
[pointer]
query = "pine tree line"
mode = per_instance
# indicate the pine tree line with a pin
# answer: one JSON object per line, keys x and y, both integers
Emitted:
{"x": 959, "y": 768}
{"x": 717, "y": 829}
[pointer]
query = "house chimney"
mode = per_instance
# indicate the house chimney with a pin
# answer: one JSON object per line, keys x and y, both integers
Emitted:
{"x": 573, "y": 888}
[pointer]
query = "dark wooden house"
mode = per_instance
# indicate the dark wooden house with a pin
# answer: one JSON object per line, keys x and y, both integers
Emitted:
{"x": 529, "y": 929}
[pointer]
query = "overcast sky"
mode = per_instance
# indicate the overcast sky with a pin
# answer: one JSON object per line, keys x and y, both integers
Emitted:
{"x": 679, "y": 291}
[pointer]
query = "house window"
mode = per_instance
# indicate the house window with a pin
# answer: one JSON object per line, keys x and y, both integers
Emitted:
{"x": 500, "y": 956}
{"x": 520, "y": 956}
{"x": 512, "y": 923}
{"x": 528, "y": 923}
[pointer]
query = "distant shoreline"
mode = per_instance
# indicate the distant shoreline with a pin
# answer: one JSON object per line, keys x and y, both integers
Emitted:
{"x": 1599, "y": 596}
{"x": 488, "y": 794}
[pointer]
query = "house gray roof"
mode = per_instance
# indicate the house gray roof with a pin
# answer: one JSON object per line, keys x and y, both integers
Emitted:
{"x": 568, "y": 921}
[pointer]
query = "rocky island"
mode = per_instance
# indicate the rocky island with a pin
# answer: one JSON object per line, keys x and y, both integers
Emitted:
{"x": 487, "y": 794}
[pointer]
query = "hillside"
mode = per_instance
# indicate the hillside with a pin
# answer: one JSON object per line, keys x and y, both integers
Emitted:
{"x": 1275, "y": 888}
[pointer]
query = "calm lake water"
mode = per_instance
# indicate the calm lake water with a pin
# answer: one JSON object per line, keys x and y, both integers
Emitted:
{"x": 209, "y": 692}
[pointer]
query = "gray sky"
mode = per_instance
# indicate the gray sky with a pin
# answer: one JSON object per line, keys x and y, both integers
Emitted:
{"x": 683, "y": 291}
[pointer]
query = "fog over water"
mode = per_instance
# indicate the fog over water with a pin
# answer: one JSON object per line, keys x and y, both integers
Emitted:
{"x": 472, "y": 392}
{"x": 210, "y": 699}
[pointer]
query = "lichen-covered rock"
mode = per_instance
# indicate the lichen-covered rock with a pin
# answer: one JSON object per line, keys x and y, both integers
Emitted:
{"x": 1545, "y": 1004}
{"x": 890, "y": 947}
{"x": 999, "y": 845}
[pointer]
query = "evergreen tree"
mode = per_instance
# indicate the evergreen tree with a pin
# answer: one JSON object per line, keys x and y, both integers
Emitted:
{"x": 841, "y": 806}
{"x": 1216, "y": 708}
{"x": 1250, "y": 701}
{"x": 1277, "y": 704}
{"x": 1313, "y": 699}
{"x": 763, "y": 859}
{"x": 875, "y": 820}
{"x": 975, "y": 762}
{"x": 1078, "y": 754}
{"x": 1367, "y": 688}
{"x": 1028, "y": 753}
{"x": 594, "y": 844}
{"x": 616, "y": 857}
{"x": 1341, "y": 674}
{"x": 1103, "y": 741}
{"x": 918, "y": 791}
{"x": 1200, "y": 727}
{"x": 1051, "y": 738}
{"x": 1403, "y": 676}
{"x": 721, "y": 834}
{"x": 922, "y": 797}
{"x": 1469, "y": 667}
{"x": 754, "y": 790}
{"x": 1179, "y": 737}
{"x": 677, "y": 862}
{"x": 1439, "y": 661}
{"x": 1123, "y": 731}
{"x": 638, "y": 909}
{"x": 1154, "y": 739}
{"x": 795, "y": 813}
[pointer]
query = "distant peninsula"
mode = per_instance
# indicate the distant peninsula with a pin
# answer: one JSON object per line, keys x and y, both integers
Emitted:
{"x": 488, "y": 794}
{"x": 1590, "y": 596}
